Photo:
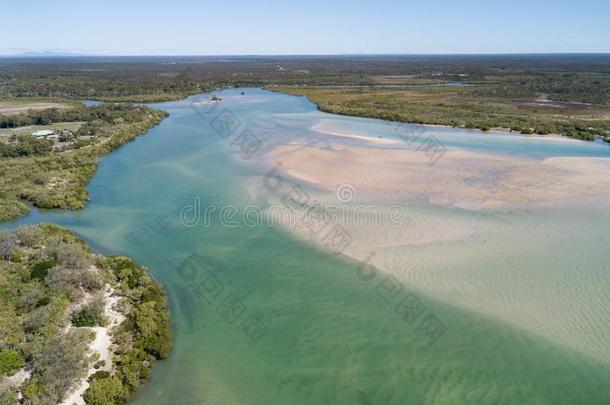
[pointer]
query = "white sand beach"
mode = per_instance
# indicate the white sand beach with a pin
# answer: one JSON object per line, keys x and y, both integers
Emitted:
{"x": 326, "y": 129}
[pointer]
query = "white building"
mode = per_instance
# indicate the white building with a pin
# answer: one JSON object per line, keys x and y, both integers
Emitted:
{"x": 45, "y": 133}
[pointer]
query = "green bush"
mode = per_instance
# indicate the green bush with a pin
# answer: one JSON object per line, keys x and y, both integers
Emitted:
{"x": 10, "y": 360}
{"x": 33, "y": 390}
{"x": 40, "y": 269}
{"x": 91, "y": 315}
{"x": 106, "y": 391}
{"x": 26, "y": 145}
{"x": 44, "y": 301}
{"x": 98, "y": 375}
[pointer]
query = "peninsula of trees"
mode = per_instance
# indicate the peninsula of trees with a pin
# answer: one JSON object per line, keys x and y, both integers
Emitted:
{"x": 55, "y": 173}
{"x": 56, "y": 298}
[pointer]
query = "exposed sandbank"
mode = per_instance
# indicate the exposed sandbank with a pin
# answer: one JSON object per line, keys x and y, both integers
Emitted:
{"x": 457, "y": 241}
{"x": 459, "y": 178}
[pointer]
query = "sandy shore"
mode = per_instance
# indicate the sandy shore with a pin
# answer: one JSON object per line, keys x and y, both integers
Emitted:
{"x": 323, "y": 128}
{"x": 102, "y": 344}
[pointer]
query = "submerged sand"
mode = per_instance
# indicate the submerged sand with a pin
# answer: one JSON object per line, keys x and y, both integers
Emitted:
{"x": 459, "y": 239}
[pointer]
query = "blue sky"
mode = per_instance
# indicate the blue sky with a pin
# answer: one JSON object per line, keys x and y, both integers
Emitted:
{"x": 226, "y": 27}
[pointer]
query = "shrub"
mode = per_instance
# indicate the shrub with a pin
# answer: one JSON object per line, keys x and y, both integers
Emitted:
{"x": 106, "y": 391}
{"x": 59, "y": 363}
{"x": 40, "y": 268}
{"x": 33, "y": 390}
{"x": 7, "y": 244}
{"x": 9, "y": 396}
{"x": 98, "y": 364}
{"x": 71, "y": 280}
{"x": 90, "y": 315}
{"x": 98, "y": 375}
{"x": 43, "y": 318}
{"x": 29, "y": 296}
{"x": 43, "y": 301}
{"x": 73, "y": 256}
{"x": 10, "y": 360}
{"x": 34, "y": 299}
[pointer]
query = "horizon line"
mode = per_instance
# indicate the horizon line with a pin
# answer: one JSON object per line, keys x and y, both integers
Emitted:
{"x": 50, "y": 54}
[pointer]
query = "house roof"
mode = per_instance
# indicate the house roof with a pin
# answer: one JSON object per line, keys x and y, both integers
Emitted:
{"x": 44, "y": 132}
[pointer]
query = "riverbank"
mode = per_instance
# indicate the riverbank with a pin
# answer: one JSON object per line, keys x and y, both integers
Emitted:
{"x": 52, "y": 174}
{"x": 85, "y": 328}
{"x": 461, "y": 107}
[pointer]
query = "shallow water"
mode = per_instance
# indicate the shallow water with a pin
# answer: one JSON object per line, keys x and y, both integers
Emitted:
{"x": 306, "y": 326}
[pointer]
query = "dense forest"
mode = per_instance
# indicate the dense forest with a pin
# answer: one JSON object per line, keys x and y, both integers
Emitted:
{"x": 582, "y": 78}
{"x": 53, "y": 290}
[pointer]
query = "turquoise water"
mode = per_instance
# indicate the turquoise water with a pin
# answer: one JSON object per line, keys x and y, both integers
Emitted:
{"x": 498, "y": 142}
{"x": 306, "y": 327}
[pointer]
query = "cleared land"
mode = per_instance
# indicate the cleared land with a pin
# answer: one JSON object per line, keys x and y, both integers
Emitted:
{"x": 6, "y": 133}
{"x": 10, "y": 107}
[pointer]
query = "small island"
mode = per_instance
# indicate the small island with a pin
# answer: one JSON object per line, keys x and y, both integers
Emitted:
{"x": 75, "y": 326}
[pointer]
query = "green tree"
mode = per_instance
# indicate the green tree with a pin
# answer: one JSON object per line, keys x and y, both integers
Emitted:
{"x": 106, "y": 391}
